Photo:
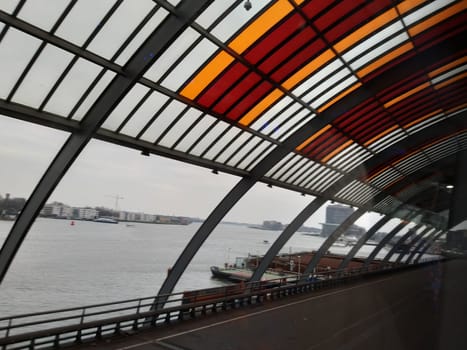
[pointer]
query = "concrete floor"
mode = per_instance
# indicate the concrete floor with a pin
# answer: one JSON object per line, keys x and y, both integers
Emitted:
{"x": 424, "y": 308}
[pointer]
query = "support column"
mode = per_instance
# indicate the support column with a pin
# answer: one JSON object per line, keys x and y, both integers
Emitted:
{"x": 413, "y": 243}
{"x": 421, "y": 243}
{"x": 401, "y": 241}
{"x": 386, "y": 239}
{"x": 332, "y": 238}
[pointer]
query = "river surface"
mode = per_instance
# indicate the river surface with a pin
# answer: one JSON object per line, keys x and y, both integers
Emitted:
{"x": 61, "y": 265}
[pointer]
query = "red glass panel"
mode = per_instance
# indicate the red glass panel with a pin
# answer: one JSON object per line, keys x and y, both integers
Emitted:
{"x": 287, "y": 50}
{"x": 224, "y": 82}
{"x": 366, "y": 131}
{"x": 249, "y": 100}
{"x": 440, "y": 32}
{"x": 402, "y": 86}
{"x": 355, "y": 20}
{"x": 389, "y": 65}
{"x": 336, "y": 13}
{"x": 305, "y": 55}
{"x": 314, "y": 8}
{"x": 356, "y": 112}
{"x": 329, "y": 146}
{"x": 236, "y": 93}
{"x": 367, "y": 118}
{"x": 275, "y": 38}
{"x": 319, "y": 140}
{"x": 409, "y": 101}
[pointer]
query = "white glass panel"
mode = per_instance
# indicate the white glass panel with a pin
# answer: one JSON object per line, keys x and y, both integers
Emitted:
{"x": 125, "y": 106}
{"x": 449, "y": 74}
{"x": 280, "y": 164}
{"x": 195, "y": 133}
{"x": 83, "y": 19}
{"x": 425, "y": 11}
{"x": 305, "y": 176}
{"x": 174, "y": 2}
{"x": 253, "y": 143}
{"x": 1, "y": 26}
{"x": 262, "y": 149}
{"x": 263, "y": 121}
{"x": 16, "y": 50}
{"x": 43, "y": 74}
{"x": 233, "y": 147}
{"x": 285, "y": 166}
{"x": 374, "y": 40}
{"x": 182, "y": 125}
{"x": 378, "y": 51}
{"x": 168, "y": 58}
{"x": 209, "y": 138}
{"x": 262, "y": 153}
{"x": 289, "y": 132}
{"x": 344, "y": 154}
{"x": 144, "y": 114}
{"x": 333, "y": 92}
{"x": 119, "y": 26}
{"x": 417, "y": 127}
{"x": 172, "y": 111}
{"x": 93, "y": 95}
{"x": 72, "y": 87}
{"x": 318, "y": 77}
{"x": 214, "y": 11}
{"x": 294, "y": 169}
{"x": 236, "y": 19}
{"x": 331, "y": 80}
{"x": 189, "y": 64}
{"x": 272, "y": 125}
{"x": 42, "y": 13}
{"x": 8, "y": 5}
{"x": 142, "y": 35}
{"x": 304, "y": 114}
{"x": 223, "y": 141}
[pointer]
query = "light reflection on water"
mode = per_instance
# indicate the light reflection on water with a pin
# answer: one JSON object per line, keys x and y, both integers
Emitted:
{"x": 60, "y": 265}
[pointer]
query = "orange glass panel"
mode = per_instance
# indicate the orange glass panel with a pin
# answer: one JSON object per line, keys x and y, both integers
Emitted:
{"x": 261, "y": 25}
{"x": 260, "y": 107}
{"x": 207, "y": 74}
{"x": 407, "y": 94}
{"x": 337, "y": 150}
{"x": 313, "y": 137}
{"x": 447, "y": 67}
{"x": 366, "y": 30}
{"x": 385, "y": 59}
{"x": 419, "y": 120}
{"x": 450, "y": 81}
{"x": 307, "y": 70}
{"x": 432, "y": 21}
{"x": 380, "y": 135}
{"x": 408, "y": 5}
{"x": 372, "y": 176}
{"x": 340, "y": 96}
{"x": 456, "y": 108}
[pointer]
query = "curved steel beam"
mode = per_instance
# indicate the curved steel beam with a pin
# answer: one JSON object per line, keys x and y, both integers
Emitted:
{"x": 401, "y": 241}
{"x": 285, "y": 236}
{"x": 412, "y": 244}
{"x": 387, "y": 238}
{"x": 362, "y": 240}
{"x": 117, "y": 89}
{"x": 331, "y": 239}
{"x": 428, "y": 245}
{"x": 420, "y": 245}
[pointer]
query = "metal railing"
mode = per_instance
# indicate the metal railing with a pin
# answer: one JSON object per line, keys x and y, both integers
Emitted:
{"x": 52, "y": 329}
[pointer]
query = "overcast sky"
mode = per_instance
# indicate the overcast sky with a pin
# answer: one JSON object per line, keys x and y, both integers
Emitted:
{"x": 149, "y": 184}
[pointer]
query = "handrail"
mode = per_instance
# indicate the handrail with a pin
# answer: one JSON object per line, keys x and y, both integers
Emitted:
{"x": 88, "y": 325}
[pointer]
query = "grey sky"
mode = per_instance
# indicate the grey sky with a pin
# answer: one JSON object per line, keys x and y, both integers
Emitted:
{"x": 149, "y": 184}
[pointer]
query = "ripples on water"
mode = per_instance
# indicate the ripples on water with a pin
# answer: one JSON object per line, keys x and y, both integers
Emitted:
{"x": 60, "y": 265}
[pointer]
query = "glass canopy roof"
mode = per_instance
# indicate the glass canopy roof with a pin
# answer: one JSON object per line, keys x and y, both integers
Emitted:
{"x": 230, "y": 87}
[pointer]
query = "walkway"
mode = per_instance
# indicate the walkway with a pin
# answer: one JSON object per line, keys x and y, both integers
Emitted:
{"x": 418, "y": 309}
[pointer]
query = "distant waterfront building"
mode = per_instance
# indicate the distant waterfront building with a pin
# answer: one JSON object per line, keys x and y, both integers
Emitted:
{"x": 57, "y": 210}
{"x": 335, "y": 216}
{"x": 87, "y": 213}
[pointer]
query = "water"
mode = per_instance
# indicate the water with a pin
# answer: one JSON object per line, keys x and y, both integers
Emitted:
{"x": 60, "y": 265}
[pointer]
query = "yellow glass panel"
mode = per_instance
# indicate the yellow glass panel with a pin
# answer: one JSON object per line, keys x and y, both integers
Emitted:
{"x": 408, "y": 5}
{"x": 261, "y": 25}
{"x": 385, "y": 59}
{"x": 447, "y": 67}
{"x": 340, "y": 96}
{"x": 419, "y": 120}
{"x": 405, "y": 95}
{"x": 380, "y": 135}
{"x": 260, "y": 107}
{"x": 366, "y": 30}
{"x": 207, "y": 74}
{"x": 432, "y": 21}
{"x": 307, "y": 70}
{"x": 337, "y": 150}
{"x": 313, "y": 137}
{"x": 450, "y": 81}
